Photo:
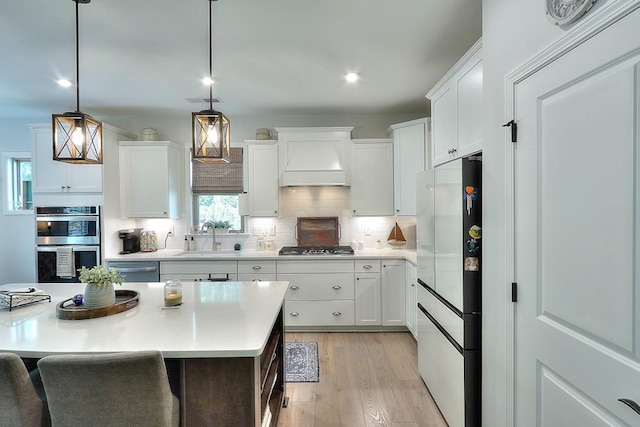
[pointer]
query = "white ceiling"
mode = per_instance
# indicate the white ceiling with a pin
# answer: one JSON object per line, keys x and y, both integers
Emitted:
{"x": 269, "y": 56}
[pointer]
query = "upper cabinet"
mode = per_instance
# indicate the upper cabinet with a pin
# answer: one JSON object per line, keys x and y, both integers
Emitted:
{"x": 372, "y": 177}
{"x": 409, "y": 148}
{"x": 51, "y": 176}
{"x": 150, "y": 179}
{"x": 262, "y": 178}
{"x": 456, "y": 109}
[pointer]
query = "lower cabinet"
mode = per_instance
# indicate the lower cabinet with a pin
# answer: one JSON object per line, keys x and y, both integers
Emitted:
{"x": 411, "y": 300}
{"x": 393, "y": 292}
{"x": 368, "y": 306}
{"x": 196, "y": 271}
{"x": 321, "y": 292}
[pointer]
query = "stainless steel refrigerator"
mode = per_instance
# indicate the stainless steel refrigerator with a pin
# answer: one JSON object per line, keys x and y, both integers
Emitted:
{"x": 449, "y": 246}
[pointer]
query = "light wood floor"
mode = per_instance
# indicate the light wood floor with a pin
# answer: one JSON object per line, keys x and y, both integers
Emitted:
{"x": 366, "y": 379}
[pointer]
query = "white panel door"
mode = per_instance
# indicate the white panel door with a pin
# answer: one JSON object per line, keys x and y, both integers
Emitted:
{"x": 577, "y": 204}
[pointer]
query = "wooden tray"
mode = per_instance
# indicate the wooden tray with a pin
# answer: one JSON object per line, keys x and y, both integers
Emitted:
{"x": 318, "y": 231}
{"x": 125, "y": 300}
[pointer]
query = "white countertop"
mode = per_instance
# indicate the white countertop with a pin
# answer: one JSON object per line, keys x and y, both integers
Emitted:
{"x": 216, "y": 319}
{"x": 247, "y": 254}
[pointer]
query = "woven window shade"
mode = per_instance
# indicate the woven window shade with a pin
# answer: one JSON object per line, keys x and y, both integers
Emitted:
{"x": 218, "y": 178}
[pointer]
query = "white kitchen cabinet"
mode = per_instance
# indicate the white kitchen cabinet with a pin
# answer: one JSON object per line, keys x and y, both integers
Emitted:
{"x": 150, "y": 179}
{"x": 372, "y": 177}
{"x": 50, "y": 176}
{"x": 456, "y": 109}
{"x": 321, "y": 292}
{"x": 411, "y": 300}
{"x": 261, "y": 271}
{"x": 409, "y": 147}
{"x": 393, "y": 292}
{"x": 367, "y": 293}
{"x": 194, "y": 271}
{"x": 262, "y": 178}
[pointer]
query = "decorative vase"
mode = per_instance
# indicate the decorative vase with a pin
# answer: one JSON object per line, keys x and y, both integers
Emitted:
{"x": 96, "y": 295}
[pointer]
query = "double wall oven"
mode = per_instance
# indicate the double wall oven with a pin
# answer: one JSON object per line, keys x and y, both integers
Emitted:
{"x": 67, "y": 238}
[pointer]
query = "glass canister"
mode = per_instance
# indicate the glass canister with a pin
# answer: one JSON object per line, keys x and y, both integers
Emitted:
{"x": 172, "y": 293}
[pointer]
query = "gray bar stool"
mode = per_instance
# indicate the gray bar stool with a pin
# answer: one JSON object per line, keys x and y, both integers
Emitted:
{"x": 19, "y": 402}
{"x": 119, "y": 389}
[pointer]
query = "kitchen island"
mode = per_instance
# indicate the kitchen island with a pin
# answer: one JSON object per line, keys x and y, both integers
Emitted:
{"x": 226, "y": 341}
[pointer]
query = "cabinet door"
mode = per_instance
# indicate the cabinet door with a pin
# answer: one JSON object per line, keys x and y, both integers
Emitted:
{"x": 368, "y": 307}
{"x": 149, "y": 181}
{"x": 262, "y": 174}
{"x": 410, "y": 300}
{"x": 393, "y": 293}
{"x": 408, "y": 159}
{"x": 443, "y": 125}
{"x": 51, "y": 176}
{"x": 469, "y": 92}
{"x": 448, "y": 231}
{"x": 372, "y": 178}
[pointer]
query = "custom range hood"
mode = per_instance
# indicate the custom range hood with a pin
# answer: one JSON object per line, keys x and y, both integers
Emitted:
{"x": 312, "y": 156}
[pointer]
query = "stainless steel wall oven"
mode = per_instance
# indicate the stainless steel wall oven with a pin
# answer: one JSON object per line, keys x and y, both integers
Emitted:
{"x": 67, "y": 238}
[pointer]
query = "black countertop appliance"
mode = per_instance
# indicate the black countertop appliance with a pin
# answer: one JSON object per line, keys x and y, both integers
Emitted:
{"x": 130, "y": 240}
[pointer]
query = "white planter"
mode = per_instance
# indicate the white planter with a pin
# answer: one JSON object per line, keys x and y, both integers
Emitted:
{"x": 99, "y": 295}
{"x": 221, "y": 230}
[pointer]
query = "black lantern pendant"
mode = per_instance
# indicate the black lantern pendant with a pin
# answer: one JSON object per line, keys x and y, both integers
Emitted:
{"x": 77, "y": 137}
{"x": 211, "y": 129}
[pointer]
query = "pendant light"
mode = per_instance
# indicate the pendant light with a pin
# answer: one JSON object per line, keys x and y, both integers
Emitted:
{"x": 77, "y": 137}
{"x": 211, "y": 133}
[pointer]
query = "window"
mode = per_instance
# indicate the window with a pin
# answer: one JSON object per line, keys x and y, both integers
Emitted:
{"x": 215, "y": 188}
{"x": 18, "y": 190}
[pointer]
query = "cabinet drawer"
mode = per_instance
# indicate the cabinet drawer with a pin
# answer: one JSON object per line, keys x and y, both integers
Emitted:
{"x": 260, "y": 277}
{"x": 319, "y": 286}
{"x": 315, "y": 266}
{"x": 198, "y": 267}
{"x": 319, "y": 313}
{"x": 256, "y": 267}
{"x": 367, "y": 266}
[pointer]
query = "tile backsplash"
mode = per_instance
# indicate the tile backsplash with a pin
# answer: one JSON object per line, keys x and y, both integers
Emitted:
{"x": 297, "y": 202}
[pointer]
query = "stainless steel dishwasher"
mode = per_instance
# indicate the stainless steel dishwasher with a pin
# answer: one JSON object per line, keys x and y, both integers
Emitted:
{"x": 137, "y": 271}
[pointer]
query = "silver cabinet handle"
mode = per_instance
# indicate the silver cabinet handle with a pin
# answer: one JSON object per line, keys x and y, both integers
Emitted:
{"x": 631, "y": 404}
{"x": 337, "y": 313}
{"x": 256, "y": 267}
{"x": 336, "y": 287}
{"x": 294, "y": 288}
{"x": 367, "y": 267}
{"x": 294, "y": 314}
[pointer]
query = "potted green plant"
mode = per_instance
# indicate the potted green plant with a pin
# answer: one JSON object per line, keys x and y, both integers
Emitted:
{"x": 99, "y": 290}
{"x": 221, "y": 226}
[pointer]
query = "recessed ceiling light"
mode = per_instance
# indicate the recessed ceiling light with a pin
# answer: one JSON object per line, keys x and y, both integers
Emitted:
{"x": 352, "y": 77}
{"x": 64, "y": 83}
{"x": 207, "y": 81}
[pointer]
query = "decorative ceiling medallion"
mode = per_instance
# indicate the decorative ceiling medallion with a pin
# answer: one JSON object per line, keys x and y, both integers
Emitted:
{"x": 562, "y": 12}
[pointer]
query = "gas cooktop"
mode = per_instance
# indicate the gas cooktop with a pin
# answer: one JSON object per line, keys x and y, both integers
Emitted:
{"x": 316, "y": 250}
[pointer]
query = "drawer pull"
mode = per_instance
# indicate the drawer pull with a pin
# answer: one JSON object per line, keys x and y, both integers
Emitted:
{"x": 337, "y": 313}
{"x": 367, "y": 267}
{"x": 256, "y": 267}
{"x": 294, "y": 314}
{"x": 337, "y": 287}
{"x": 294, "y": 288}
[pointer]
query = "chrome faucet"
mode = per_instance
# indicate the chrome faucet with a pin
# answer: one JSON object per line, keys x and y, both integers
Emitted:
{"x": 206, "y": 227}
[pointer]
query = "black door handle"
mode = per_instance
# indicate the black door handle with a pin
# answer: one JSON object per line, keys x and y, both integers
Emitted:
{"x": 631, "y": 404}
